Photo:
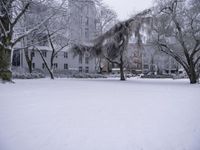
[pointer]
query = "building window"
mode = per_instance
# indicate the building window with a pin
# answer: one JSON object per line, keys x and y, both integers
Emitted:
{"x": 80, "y": 69}
{"x": 65, "y": 55}
{"x": 86, "y": 69}
{"x": 44, "y": 53}
{"x": 55, "y": 65}
{"x": 16, "y": 58}
{"x": 86, "y": 60}
{"x": 80, "y": 59}
{"x": 33, "y": 65}
{"x": 146, "y": 66}
{"x": 87, "y": 34}
{"x": 87, "y": 21}
{"x": 43, "y": 66}
{"x": 32, "y": 54}
{"x": 66, "y": 66}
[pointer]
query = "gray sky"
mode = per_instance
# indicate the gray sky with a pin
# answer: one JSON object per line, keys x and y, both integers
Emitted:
{"x": 125, "y": 8}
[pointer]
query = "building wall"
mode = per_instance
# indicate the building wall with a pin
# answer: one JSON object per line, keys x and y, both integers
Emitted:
{"x": 134, "y": 55}
{"x": 72, "y": 62}
{"x": 82, "y": 30}
{"x": 156, "y": 61}
{"x": 82, "y": 20}
{"x": 148, "y": 59}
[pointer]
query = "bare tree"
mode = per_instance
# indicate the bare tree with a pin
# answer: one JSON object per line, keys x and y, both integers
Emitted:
{"x": 57, "y": 44}
{"x": 176, "y": 32}
{"x": 57, "y": 23}
{"x": 106, "y": 19}
{"x": 11, "y": 11}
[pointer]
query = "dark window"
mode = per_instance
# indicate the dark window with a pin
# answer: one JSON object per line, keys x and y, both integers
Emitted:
{"x": 80, "y": 59}
{"x": 146, "y": 66}
{"x": 44, "y": 53}
{"x": 80, "y": 69}
{"x": 33, "y": 65}
{"x": 16, "y": 58}
{"x": 86, "y": 60}
{"x": 65, "y": 55}
{"x": 43, "y": 66}
{"x": 87, "y": 34}
{"x": 55, "y": 65}
{"x": 87, "y": 21}
{"x": 66, "y": 66}
{"x": 32, "y": 54}
{"x": 86, "y": 69}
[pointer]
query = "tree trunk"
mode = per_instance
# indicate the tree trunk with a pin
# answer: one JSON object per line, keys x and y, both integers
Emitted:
{"x": 5, "y": 60}
{"x": 100, "y": 68}
{"x": 52, "y": 62}
{"x": 45, "y": 63}
{"x": 51, "y": 74}
{"x": 121, "y": 65}
{"x": 193, "y": 76}
{"x": 28, "y": 60}
{"x": 30, "y": 66}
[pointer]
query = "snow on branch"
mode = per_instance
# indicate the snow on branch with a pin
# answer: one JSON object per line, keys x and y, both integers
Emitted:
{"x": 31, "y": 30}
{"x": 37, "y": 26}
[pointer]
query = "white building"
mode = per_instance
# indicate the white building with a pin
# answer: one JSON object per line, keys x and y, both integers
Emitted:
{"x": 82, "y": 30}
{"x": 82, "y": 20}
{"x": 64, "y": 61}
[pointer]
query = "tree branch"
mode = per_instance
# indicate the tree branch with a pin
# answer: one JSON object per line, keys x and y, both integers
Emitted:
{"x": 197, "y": 60}
{"x": 20, "y": 14}
{"x": 115, "y": 62}
{"x": 45, "y": 63}
{"x": 6, "y": 7}
{"x": 172, "y": 54}
{"x": 31, "y": 30}
{"x": 36, "y": 27}
{"x": 3, "y": 28}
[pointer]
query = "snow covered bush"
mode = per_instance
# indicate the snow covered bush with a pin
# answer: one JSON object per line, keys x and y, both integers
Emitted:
{"x": 28, "y": 75}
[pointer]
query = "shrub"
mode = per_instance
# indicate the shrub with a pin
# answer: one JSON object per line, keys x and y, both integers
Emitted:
{"x": 6, "y": 75}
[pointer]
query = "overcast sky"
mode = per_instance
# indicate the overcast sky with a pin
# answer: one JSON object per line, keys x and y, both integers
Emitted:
{"x": 125, "y": 8}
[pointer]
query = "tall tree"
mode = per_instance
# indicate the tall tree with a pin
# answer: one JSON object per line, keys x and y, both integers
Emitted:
{"x": 176, "y": 32}
{"x": 7, "y": 23}
{"x": 113, "y": 43}
{"x": 47, "y": 35}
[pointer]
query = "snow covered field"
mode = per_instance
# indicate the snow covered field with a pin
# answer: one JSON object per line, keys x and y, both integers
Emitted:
{"x": 99, "y": 114}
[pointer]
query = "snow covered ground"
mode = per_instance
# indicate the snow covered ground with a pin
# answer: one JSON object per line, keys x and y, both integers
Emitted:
{"x": 100, "y": 114}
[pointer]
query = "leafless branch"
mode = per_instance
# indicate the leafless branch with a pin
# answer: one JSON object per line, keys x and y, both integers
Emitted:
{"x": 20, "y": 14}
